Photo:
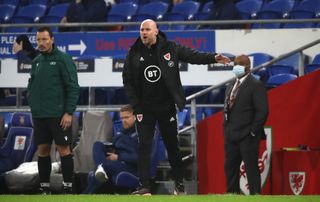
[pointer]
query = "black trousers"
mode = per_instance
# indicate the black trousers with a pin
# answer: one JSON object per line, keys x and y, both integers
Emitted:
{"x": 247, "y": 150}
{"x": 167, "y": 122}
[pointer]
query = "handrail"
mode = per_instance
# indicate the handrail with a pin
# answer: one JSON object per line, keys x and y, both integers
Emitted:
{"x": 264, "y": 65}
{"x": 200, "y": 22}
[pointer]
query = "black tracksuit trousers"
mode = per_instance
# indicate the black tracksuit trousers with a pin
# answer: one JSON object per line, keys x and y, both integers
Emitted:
{"x": 167, "y": 122}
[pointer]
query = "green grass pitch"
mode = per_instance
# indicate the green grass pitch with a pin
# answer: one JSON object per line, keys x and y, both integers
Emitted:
{"x": 155, "y": 198}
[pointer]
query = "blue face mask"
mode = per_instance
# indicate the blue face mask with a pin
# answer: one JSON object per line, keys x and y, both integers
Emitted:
{"x": 239, "y": 70}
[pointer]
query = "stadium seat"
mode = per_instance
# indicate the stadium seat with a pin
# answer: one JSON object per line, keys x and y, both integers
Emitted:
{"x": 316, "y": 59}
{"x": 182, "y": 118}
{"x": 279, "y": 69}
{"x": 138, "y": 18}
{"x": 173, "y": 17}
{"x": 309, "y": 5}
{"x": 305, "y": 9}
{"x": 198, "y": 16}
{"x": 125, "y": 179}
{"x": 276, "y": 9}
{"x": 155, "y": 9}
{"x": 19, "y": 138}
{"x": 58, "y": 10}
{"x": 294, "y": 61}
{"x": 267, "y": 15}
{"x": 258, "y": 59}
{"x": 6, "y": 12}
{"x": 207, "y": 7}
{"x": 301, "y": 14}
{"x": 311, "y": 67}
{"x": 129, "y": 1}
{"x": 279, "y": 79}
{"x": 33, "y": 11}
{"x": 9, "y": 100}
{"x": 188, "y": 8}
{"x": 43, "y": 2}
{"x": 19, "y": 20}
{"x": 16, "y": 3}
{"x": 248, "y": 8}
{"x": 125, "y": 10}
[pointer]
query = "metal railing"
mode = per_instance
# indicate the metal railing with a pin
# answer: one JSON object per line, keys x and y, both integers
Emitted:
{"x": 193, "y": 97}
{"x": 169, "y": 23}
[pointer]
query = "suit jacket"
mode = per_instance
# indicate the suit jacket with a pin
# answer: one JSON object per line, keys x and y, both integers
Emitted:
{"x": 249, "y": 111}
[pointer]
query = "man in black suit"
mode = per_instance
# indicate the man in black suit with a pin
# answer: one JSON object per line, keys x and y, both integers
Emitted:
{"x": 245, "y": 112}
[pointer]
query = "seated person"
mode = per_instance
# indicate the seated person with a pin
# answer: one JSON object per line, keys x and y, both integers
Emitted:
{"x": 85, "y": 11}
{"x": 121, "y": 156}
{"x": 225, "y": 10}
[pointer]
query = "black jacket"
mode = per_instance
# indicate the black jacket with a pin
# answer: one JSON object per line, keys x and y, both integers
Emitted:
{"x": 249, "y": 112}
{"x": 169, "y": 67}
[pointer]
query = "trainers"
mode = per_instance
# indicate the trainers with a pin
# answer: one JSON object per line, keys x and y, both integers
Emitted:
{"x": 178, "y": 188}
{"x": 100, "y": 174}
{"x": 142, "y": 191}
{"x": 67, "y": 190}
{"x": 44, "y": 191}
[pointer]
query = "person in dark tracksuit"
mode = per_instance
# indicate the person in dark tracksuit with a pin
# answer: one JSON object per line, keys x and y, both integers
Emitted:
{"x": 53, "y": 92}
{"x": 245, "y": 112}
{"x": 152, "y": 82}
{"x": 121, "y": 156}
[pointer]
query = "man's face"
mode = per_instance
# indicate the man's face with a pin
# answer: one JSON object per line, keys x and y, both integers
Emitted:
{"x": 127, "y": 119}
{"x": 148, "y": 32}
{"x": 44, "y": 42}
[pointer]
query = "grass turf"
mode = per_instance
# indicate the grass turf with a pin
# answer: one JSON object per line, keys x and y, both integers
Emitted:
{"x": 155, "y": 198}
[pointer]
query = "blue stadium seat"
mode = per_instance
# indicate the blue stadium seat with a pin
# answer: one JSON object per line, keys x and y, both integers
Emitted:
{"x": 173, "y": 17}
{"x": 283, "y": 7}
{"x": 6, "y": 12}
{"x": 279, "y": 79}
{"x": 305, "y": 9}
{"x": 207, "y": 7}
{"x": 58, "y": 10}
{"x": 16, "y": 3}
{"x": 13, "y": 151}
{"x": 316, "y": 59}
{"x": 182, "y": 116}
{"x": 248, "y": 8}
{"x": 311, "y": 67}
{"x": 34, "y": 11}
{"x": 267, "y": 15}
{"x": 123, "y": 9}
{"x": 48, "y": 20}
{"x": 9, "y": 100}
{"x": 258, "y": 59}
{"x": 155, "y": 9}
{"x": 280, "y": 69}
{"x": 43, "y": 2}
{"x": 198, "y": 16}
{"x": 126, "y": 179}
{"x": 309, "y": 5}
{"x": 294, "y": 61}
{"x": 301, "y": 14}
{"x": 188, "y": 8}
{"x": 138, "y": 18}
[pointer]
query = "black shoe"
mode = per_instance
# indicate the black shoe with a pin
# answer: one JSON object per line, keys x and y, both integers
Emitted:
{"x": 44, "y": 191}
{"x": 142, "y": 191}
{"x": 178, "y": 188}
{"x": 67, "y": 190}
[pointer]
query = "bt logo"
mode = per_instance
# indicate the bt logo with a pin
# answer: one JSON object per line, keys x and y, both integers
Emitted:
{"x": 152, "y": 73}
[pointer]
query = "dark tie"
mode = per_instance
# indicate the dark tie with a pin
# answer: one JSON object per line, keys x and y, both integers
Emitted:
{"x": 233, "y": 94}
